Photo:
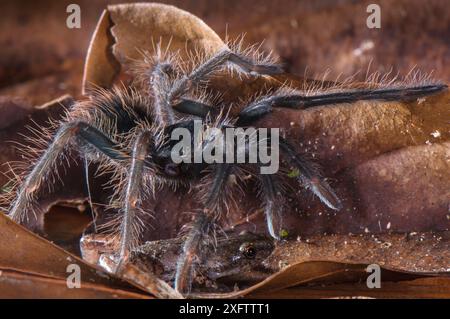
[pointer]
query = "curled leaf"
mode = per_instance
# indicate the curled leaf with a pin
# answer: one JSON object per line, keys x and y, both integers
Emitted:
{"x": 126, "y": 31}
{"x": 18, "y": 285}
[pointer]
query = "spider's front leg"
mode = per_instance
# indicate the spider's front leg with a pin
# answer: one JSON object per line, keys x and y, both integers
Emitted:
{"x": 22, "y": 210}
{"x": 169, "y": 89}
{"x": 201, "y": 230}
{"x": 292, "y": 100}
{"x": 175, "y": 97}
{"x": 139, "y": 184}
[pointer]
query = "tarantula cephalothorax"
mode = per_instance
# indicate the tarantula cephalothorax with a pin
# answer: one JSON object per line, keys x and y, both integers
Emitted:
{"x": 128, "y": 133}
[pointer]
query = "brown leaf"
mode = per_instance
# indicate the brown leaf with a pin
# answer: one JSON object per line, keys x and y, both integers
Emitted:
{"x": 328, "y": 274}
{"x": 38, "y": 260}
{"x": 19, "y": 285}
{"x": 125, "y": 31}
{"x": 23, "y": 251}
{"x": 415, "y": 252}
{"x": 431, "y": 287}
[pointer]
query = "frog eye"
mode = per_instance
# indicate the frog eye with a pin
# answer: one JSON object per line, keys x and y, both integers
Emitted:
{"x": 248, "y": 250}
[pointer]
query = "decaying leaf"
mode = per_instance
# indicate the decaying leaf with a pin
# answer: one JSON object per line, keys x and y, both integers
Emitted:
{"x": 29, "y": 259}
{"x": 421, "y": 253}
{"x": 326, "y": 275}
{"x": 434, "y": 287}
{"x": 24, "y": 252}
{"x": 126, "y": 31}
{"x": 19, "y": 285}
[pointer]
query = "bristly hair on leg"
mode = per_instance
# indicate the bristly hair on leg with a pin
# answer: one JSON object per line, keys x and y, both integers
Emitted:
{"x": 315, "y": 95}
{"x": 24, "y": 189}
{"x": 200, "y": 236}
{"x": 251, "y": 53}
{"x": 114, "y": 112}
{"x": 374, "y": 81}
{"x": 96, "y": 119}
{"x": 135, "y": 185}
{"x": 270, "y": 191}
{"x": 161, "y": 56}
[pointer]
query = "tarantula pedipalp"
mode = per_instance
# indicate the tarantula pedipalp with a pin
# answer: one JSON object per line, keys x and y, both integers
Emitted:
{"x": 129, "y": 133}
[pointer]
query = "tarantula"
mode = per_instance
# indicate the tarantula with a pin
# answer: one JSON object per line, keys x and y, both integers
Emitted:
{"x": 128, "y": 132}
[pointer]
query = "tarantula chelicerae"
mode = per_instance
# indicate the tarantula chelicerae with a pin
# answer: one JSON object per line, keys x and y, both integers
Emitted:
{"x": 129, "y": 133}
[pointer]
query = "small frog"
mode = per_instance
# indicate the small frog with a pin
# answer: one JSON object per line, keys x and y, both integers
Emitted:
{"x": 238, "y": 258}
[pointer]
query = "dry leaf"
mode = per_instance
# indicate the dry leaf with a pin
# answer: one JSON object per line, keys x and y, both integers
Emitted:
{"x": 126, "y": 31}
{"x": 323, "y": 274}
{"x": 433, "y": 287}
{"x": 23, "y": 251}
{"x": 19, "y": 285}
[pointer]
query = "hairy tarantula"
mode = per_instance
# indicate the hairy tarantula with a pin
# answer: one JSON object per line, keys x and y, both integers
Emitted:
{"x": 128, "y": 133}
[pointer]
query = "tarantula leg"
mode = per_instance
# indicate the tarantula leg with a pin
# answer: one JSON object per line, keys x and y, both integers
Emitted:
{"x": 133, "y": 195}
{"x": 261, "y": 107}
{"x": 249, "y": 66}
{"x": 311, "y": 178}
{"x": 216, "y": 62}
{"x": 272, "y": 209}
{"x": 201, "y": 229}
{"x": 169, "y": 95}
{"x": 221, "y": 174}
{"x": 192, "y": 107}
{"x": 19, "y": 211}
{"x": 161, "y": 84}
{"x": 224, "y": 56}
{"x": 87, "y": 189}
{"x": 264, "y": 105}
